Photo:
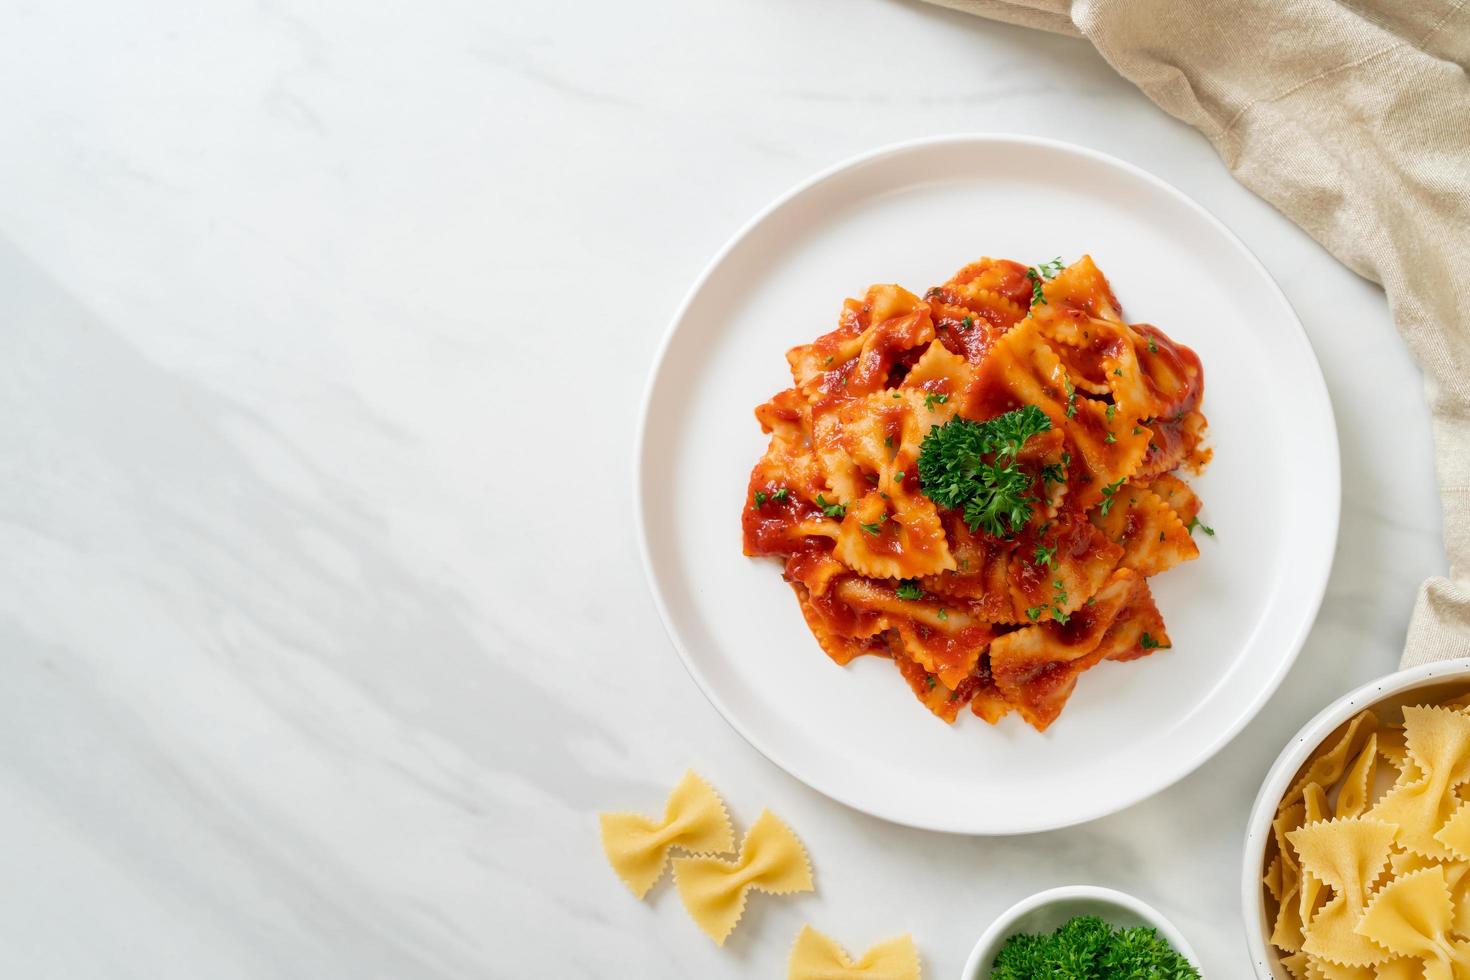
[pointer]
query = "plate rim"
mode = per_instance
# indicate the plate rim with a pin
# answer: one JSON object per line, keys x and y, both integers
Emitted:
{"x": 1319, "y": 392}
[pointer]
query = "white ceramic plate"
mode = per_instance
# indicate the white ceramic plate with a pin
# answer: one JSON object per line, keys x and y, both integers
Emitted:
{"x": 913, "y": 214}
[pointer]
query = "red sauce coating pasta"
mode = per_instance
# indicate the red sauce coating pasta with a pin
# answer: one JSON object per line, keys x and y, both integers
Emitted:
{"x": 1005, "y": 623}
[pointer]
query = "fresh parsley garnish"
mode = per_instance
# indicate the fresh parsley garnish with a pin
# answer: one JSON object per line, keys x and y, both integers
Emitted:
{"x": 1087, "y": 948}
{"x": 780, "y": 495}
{"x": 931, "y": 399}
{"x": 1039, "y": 274}
{"x": 1149, "y": 643}
{"x": 1111, "y": 437}
{"x": 1043, "y": 555}
{"x": 1108, "y": 492}
{"x": 909, "y": 589}
{"x": 760, "y": 499}
{"x": 1118, "y": 372}
{"x": 1036, "y": 294}
{"x": 1054, "y": 473}
{"x": 943, "y": 614}
{"x": 1153, "y": 348}
{"x": 898, "y": 477}
{"x": 1012, "y": 430}
{"x": 1194, "y": 522}
{"x": 874, "y": 528}
{"x": 1071, "y": 399}
{"x": 838, "y": 511}
{"x": 1110, "y": 411}
{"x": 1035, "y": 612}
{"x": 967, "y": 323}
{"x": 971, "y": 466}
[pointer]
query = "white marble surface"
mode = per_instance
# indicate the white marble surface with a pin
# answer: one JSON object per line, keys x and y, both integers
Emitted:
{"x": 322, "y": 330}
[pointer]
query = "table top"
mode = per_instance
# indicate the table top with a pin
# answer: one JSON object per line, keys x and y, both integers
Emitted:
{"x": 324, "y": 628}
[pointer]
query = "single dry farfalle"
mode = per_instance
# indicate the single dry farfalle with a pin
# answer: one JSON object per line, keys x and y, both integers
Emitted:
{"x": 771, "y": 860}
{"x": 694, "y": 820}
{"x": 1347, "y": 856}
{"x": 1311, "y": 892}
{"x": 1330, "y": 761}
{"x": 1357, "y": 785}
{"x": 1286, "y": 874}
{"x": 1412, "y": 916}
{"x": 1438, "y": 743}
{"x": 818, "y": 957}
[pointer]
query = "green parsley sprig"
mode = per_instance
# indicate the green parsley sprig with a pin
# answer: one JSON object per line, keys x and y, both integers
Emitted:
{"x": 1108, "y": 493}
{"x": 971, "y": 466}
{"x": 909, "y": 589}
{"x": 838, "y": 511}
{"x": 760, "y": 497}
{"x": 1087, "y": 948}
{"x": 1039, "y": 274}
{"x": 1194, "y": 522}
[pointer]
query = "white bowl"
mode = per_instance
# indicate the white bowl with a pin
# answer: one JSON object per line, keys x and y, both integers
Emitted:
{"x": 1403, "y": 687}
{"x": 1046, "y": 911}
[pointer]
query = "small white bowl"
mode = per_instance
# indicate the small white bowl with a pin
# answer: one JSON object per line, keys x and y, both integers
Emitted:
{"x": 1046, "y": 911}
{"x": 1403, "y": 687}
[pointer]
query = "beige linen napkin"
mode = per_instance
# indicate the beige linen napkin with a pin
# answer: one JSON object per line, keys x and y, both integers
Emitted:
{"x": 1354, "y": 121}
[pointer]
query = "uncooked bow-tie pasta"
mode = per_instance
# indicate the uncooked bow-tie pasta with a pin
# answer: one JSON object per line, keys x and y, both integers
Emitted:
{"x": 1377, "y": 885}
{"x": 771, "y": 860}
{"x": 816, "y": 956}
{"x": 977, "y": 483}
{"x": 694, "y": 820}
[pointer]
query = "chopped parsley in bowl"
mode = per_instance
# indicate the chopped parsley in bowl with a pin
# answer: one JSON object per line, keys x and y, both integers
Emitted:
{"x": 1081, "y": 932}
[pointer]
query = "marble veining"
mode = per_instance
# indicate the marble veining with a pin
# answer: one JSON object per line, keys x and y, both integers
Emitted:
{"x": 324, "y": 633}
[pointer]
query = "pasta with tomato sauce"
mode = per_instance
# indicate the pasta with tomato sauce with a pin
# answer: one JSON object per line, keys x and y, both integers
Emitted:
{"x": 977, "y": 484}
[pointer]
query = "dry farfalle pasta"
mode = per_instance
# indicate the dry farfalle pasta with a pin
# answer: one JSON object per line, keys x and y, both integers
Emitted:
{"x": 694, "y": 820}
{"x": 713, "y": 889}
{"x": 771, "y": 860}
{"x": 818, "y": 957}
{"x": 1366, "y": 880}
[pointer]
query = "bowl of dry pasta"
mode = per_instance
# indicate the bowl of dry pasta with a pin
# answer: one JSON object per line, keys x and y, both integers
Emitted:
{"x": 1357, "y": 854}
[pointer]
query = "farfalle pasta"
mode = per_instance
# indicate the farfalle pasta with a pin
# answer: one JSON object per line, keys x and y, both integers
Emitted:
{"x": 976, "y": 483}
{"x": 1368, "y": 869}
{"x": 694, "y": 820}
{"x": 713, "y": 889}
{"x": 815, "y": 956}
